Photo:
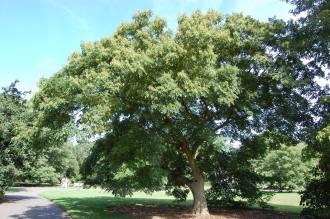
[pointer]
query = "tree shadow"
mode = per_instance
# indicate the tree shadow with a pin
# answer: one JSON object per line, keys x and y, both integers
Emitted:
{"x": 100, "y": 206}
{"x": 10, "y": 198}
{"x": 42, "y": 212}
{"x": 127, "y": 208}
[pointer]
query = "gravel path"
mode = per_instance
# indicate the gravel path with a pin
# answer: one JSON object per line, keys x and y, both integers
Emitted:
{"x": 28, "y": 204}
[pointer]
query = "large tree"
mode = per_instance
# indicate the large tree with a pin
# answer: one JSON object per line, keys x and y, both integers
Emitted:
{"x": 159, "y": 99}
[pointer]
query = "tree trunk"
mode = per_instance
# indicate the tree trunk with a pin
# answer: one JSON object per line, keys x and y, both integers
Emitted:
{"x": 200, "y": 205}
{"x": 197, "y": 185}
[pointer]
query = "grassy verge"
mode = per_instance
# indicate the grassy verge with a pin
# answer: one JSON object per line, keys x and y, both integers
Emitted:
{"x": 12, "y": 190}
{"x": 93, "y": 203}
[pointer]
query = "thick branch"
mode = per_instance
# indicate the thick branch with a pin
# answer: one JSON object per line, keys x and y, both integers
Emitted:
{"x": 191, "y": 160}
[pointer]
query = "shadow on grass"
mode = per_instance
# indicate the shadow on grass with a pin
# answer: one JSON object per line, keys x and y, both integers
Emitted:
{"x": 287, "y": 208}
{"x": 98, "y": 207}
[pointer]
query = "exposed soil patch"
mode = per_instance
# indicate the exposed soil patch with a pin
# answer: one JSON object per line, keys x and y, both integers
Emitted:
{"x": 183, "y": 212}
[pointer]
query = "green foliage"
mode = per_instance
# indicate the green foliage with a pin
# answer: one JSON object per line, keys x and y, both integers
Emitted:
{"x": 48, "y": 166}
{"x": 160, "y": 100}
{"x": 285, "y": 168}
{"x": 81, "y": 151}
{"x": 63, "y": 160}
{"x": 2, "y": 194}
{"x": 311, "y": 32}
{"x": 12, "y": 115}
{"x": 234, "y": 182}
{"x": 310, "y": 38}
{"x": 140, "y": 170}
{"x": 41, "y": 172}
{"x": 19, "y": 162}
{"x": 317, "y": 193}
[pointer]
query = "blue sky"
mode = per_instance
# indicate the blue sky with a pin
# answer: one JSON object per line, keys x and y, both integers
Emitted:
{"x": 37, "y": 36}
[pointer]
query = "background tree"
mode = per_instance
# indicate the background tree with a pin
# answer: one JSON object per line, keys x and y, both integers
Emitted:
{"x": 49, "y": 165}
{"x": 37, "y": 171}
{"x": 311, "y": 31}
{"x": 160, "y": 100}
{"x": 310, "y": 38}
{"x": 317, "y": 193}
{"x": 63, "y": 160}
{"x": 285, "y": 168}
{"x": 19, "y": 161}
{"x": 81, "y": 151}
{"x": 12, "y": 115}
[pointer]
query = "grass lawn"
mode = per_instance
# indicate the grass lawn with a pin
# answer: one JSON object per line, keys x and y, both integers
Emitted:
{"x": 288, "y": 202}
{"x": 93, "y": 203}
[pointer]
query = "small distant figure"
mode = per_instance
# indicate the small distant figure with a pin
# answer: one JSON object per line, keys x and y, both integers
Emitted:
{"x": 64, "y": 182}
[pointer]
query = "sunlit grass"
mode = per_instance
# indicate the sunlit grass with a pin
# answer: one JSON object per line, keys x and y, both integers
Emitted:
{"x": 288, "y": 202}
{"x": 93, "y": 203}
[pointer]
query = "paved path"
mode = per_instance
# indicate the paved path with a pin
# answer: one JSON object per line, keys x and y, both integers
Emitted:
{"x": 28, "y": 204}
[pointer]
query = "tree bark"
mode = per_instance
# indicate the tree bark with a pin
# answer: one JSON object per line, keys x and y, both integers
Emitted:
{"x": 200, "y": 208}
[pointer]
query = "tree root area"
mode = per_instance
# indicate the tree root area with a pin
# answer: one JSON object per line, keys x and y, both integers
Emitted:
{"x": 183, "y": 212}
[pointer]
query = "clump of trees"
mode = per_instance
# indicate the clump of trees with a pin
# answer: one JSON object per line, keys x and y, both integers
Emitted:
{"x": 12, "y": 115}
{"x": 19, "y": 161}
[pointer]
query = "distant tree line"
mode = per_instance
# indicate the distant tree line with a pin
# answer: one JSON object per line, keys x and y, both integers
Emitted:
{"x": 20, "y": 162}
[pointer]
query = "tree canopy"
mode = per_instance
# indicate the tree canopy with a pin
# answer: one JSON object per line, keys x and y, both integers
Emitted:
{"x": 160, "y": 99}
{"x": 12, "y": 116}
{"x": 19, "y": 161}
{"x": 310, "y": 37}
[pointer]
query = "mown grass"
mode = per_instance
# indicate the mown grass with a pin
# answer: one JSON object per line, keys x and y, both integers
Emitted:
{"x": 287, "y": 202}
{"x": 93, "y": 203}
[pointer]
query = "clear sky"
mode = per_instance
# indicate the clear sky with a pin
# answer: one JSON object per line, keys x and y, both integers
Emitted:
{"x": 37, "y": 36}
